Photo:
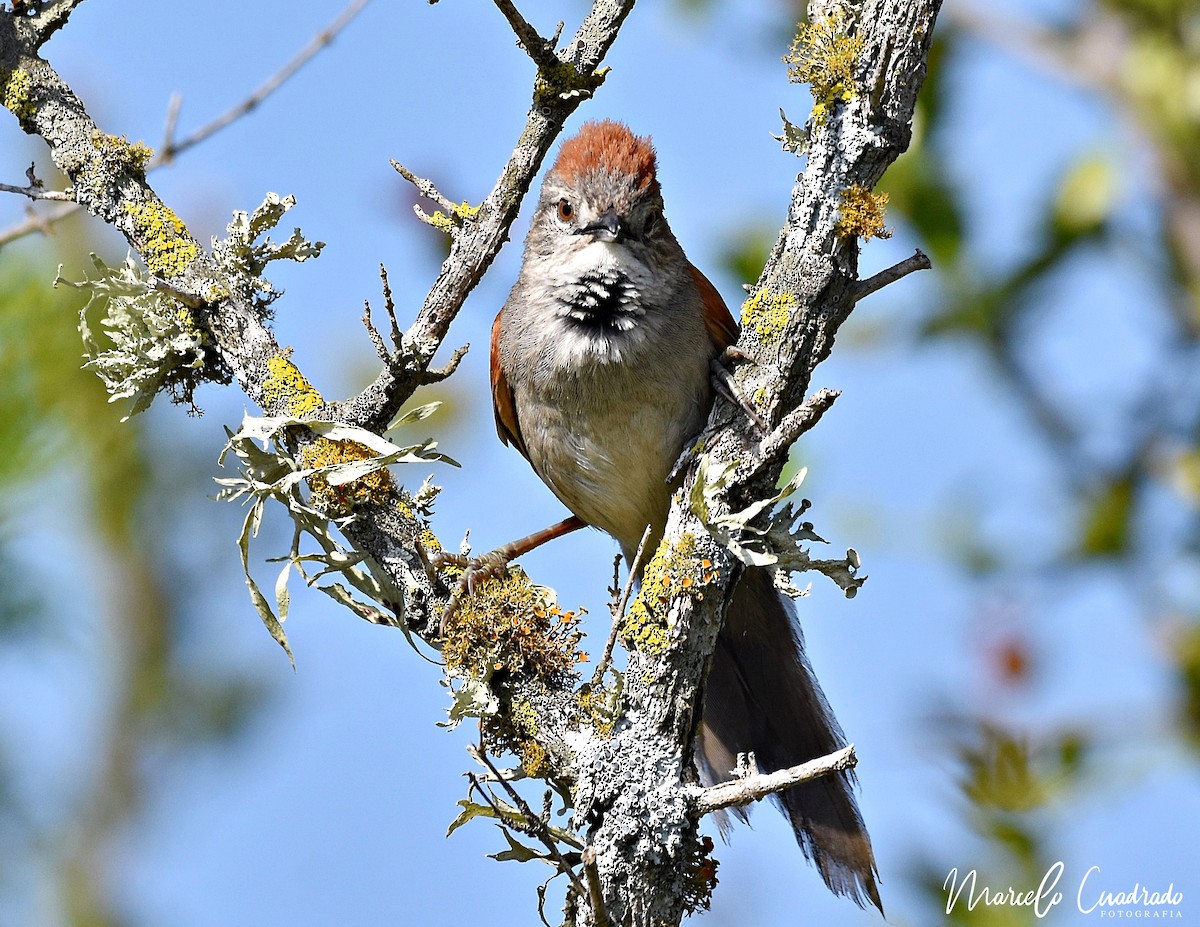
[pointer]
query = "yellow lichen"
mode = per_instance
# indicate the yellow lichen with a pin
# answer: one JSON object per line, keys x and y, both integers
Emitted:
{"x": 534, "y": 758}
{"x": 132, "y": 156}
{"x": 189, "y": 325}
{"x": 674, "y": 570}
{"x": 15, "y": 85}
{"x": 372, "y": 487}
{"x": 511, "y": 626}
{"x": 167, "y": 246}
{"x": 562, "y": 80}
{"x": 287, "y": 389}
{"x": 861, "y": 214}
{"x": 459, "y": 213}
{"x": 767, "y": 313}
{"x": 825, "y": 56}
{"x": 595, "y": 704}
{"x": 519, "y": 737}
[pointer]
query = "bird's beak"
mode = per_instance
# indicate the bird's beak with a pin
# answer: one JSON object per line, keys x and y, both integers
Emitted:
{"x": 607, "y": 227}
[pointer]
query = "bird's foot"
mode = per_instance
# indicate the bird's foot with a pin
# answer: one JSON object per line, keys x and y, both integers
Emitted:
{"x": 475, "y": 570}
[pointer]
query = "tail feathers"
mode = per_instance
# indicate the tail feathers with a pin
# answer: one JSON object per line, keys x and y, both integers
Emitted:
{"x": 761, "y": 696}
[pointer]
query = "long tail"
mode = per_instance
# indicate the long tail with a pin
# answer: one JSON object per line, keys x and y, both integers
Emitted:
{"x": 762, "y": 696}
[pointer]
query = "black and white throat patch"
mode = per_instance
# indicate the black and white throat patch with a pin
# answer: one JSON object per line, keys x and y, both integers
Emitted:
{"x": 601, "y": 302}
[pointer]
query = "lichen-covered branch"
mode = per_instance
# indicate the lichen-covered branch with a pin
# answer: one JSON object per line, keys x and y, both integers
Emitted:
{"x": 865, "y": 63}
{"x": 215, "y": 306}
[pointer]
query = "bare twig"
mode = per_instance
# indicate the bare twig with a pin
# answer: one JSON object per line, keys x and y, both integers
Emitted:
{"x": 794, "y": 424}
{"x": 441, "y": 373}
{"x": 426, "y": 188}
{"x": 381, "y": 347}
{"x": 540, "y": 50}
{"x": 1092, "y": 56}
{"x": 394, "y": 355}
{"x": 169, "y": 149}
{"x": 173, "y": 107}
{"x": 755, "y": 786}
{"x": 35, "y": 192}
{"x": 322, "y": 39}
{"x": 619, "y": 611}
{"x": 537, "y": 827}
{"x": 37, "y": 222}
{"x": 919, "y": 261}
{"x": 595, "y": 889}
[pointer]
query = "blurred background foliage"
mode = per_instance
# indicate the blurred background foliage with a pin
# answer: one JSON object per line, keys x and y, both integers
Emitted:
{"x": 1124, "y": 445}
{"x": 148, "y": 696}
{"x": 1128, "y": 456}
{"x": 1126, "y": 453}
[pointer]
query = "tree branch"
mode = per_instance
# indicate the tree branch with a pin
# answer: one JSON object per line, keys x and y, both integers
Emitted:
{"x": 539, "y": 49}
{"x": 756, "y": 786}
{"x": 47, "y": 18}
{"x": 35, "y": 192}
{"x": 800, "y": 420}
{"x": 634, "y": 790}
{"x": 919, "y": 261}
{"x": 171, "y": 149}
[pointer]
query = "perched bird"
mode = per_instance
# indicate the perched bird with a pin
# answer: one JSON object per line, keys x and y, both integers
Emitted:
{"x": 600, "y": 367}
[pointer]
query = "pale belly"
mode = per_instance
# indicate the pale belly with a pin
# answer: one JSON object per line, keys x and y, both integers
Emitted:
{"x": 606, "y": 452}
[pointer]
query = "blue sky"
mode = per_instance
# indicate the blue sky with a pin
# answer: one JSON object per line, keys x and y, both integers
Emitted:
{"x": 333, "y": 807}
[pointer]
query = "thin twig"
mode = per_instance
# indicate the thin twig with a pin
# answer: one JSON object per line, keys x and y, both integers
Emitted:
{"x": 751, "y": 788}
{"x": 373, "y": 333}
{"x": 595, "y": 889}
{"x": 429, "y": 190}
{"x": 170, "y": 149}
{"x": 273, "y": 83}
{"x": 541, "y": 51}
{"x": 37, "y": 193}
{"x": 536, "y": 825}
{"x": 173, "y": 107}
{"x": 441, "y": 373}
{"x": 619, "y": 612}
{"x": 424, "y": 186}
{"x": 37, "y": 222}
{"x": 919, "y": 261}
{"x": 794, "y": 424}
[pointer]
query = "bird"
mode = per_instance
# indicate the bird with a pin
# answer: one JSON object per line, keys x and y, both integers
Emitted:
{"x": 601, "y": 375}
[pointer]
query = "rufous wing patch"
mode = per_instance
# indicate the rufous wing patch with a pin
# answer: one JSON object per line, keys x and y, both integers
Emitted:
{"x": 503, "y": 401}
{"x": 722, "y": 328}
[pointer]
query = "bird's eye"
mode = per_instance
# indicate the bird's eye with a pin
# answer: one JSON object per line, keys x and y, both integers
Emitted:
{"x": 565, "y": 210}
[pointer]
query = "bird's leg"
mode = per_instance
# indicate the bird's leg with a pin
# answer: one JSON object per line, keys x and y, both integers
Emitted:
{"x": 494, "y": 564}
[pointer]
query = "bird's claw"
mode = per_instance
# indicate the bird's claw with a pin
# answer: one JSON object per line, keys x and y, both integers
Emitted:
{"x": 475, "y": 570}
{"x": 724, "y": 383}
